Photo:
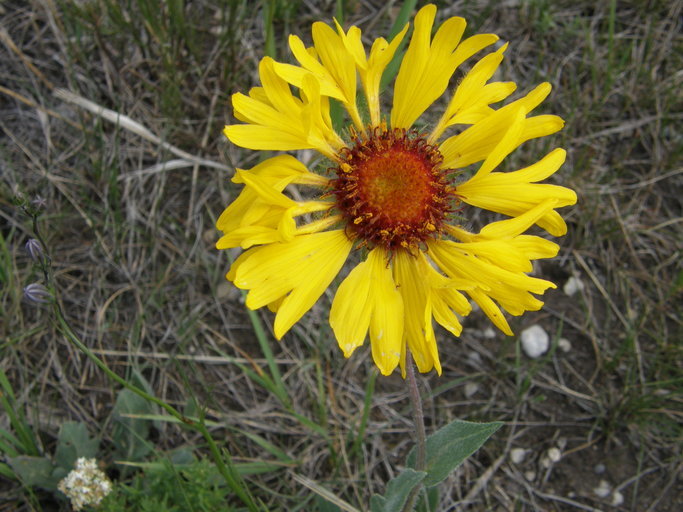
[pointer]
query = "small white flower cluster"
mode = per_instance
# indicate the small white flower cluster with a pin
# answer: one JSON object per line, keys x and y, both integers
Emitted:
{"x": 85, "y": 485}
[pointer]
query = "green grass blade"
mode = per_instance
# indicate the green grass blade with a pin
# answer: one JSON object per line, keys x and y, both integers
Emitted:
{"x": 403, "y": 17}
{"x": 278, "y": 387}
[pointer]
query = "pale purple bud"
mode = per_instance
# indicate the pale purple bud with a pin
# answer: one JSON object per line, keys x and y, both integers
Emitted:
{"x": 36, "y": 292}
{"x": 35, "y": 251}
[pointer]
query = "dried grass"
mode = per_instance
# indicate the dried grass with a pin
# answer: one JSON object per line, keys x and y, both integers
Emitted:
{"x": 130, "y": 217}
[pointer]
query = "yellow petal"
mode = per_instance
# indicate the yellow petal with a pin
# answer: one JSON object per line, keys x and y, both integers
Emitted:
{"x": 492, "y": 311}
{"x": 350, "y": 312}
{"x": 484, "y": 264}
{"x": 426, "y": 69}
{"x": 283, "y": 122}
{"x": 514, "y": 193}
{"x": 380, "y": 56}
{"x": 426, "y": 293}
{"x": 300, "y": 269}
{"x": 264, "y": 190}
{"x": 386, "y": 323}
{"x": 478, "y": 141}
{"x": 315, "y": 270}
{"x": 411, "y": 285}
{"x": 507, "y": 144}
{"x": 368, "y": 299}
{"x": 258, "y": 137}
{"x": 471, "y": 98}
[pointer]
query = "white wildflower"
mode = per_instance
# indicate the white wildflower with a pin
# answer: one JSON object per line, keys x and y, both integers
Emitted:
{"x": 86, "y": 484}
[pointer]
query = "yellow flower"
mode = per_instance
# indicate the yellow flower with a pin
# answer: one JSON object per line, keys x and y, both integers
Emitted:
{"x": 392, "y": 193}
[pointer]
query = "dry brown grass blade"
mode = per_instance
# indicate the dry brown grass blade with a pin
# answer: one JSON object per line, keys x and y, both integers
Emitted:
{"x": 324, "y": 493}
{"x": 5, "y": 38}
{"x": 133, "y": 126}
{"x": 199, "y": 358}
{"x": 33, "y": 104}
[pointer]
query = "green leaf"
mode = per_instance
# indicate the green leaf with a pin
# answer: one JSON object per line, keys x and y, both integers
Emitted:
{"x": 431, "y": 503}
{"x": 449, "y": 446}
{"x": 398, "y": 490}
{"x": 74, "y": 442}
{"x": 403, "y": 17}
{"x": 34, "y": 471}
{"x": 325, "y": 506}
{"x": 129, "y": 433}
{"x": 6, "y": 471}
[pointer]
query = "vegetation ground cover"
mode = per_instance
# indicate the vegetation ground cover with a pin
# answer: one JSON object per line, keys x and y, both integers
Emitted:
{"x": 128, "y": 215}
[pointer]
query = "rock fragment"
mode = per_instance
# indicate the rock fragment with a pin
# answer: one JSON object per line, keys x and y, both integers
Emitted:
{"x": 535, "y": 341}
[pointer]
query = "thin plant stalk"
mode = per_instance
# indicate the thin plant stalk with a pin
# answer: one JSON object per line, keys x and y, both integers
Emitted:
{"x": 419, "y": 425}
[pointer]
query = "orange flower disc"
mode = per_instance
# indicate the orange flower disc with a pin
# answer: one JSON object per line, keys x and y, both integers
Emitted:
{"x": 390, "y": 189}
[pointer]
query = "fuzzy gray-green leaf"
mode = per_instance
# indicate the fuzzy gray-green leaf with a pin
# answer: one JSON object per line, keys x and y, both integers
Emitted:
{"x": 449, "y": 446}
{"x": 74, "y": 442}
{"x": 398, "y": 490}
{"x": 34, "y": 471}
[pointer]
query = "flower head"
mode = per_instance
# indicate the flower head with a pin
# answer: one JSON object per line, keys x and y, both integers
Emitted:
{"x": 34, "y": 250}
{"x": 86, "y": 484}
{"x": 391, "y": 191}
{"x": 36, "y": 292}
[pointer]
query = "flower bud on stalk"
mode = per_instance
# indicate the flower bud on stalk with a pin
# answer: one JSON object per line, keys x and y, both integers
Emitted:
{"x": 35, "y": 251}
{"x": 37, "y": 293}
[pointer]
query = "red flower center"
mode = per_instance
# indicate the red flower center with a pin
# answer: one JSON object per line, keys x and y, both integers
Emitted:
{"x": 390, "y": 189}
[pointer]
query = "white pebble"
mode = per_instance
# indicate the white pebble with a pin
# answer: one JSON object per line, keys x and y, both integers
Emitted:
{"x": 603, "y": 489}
{"x": 517, "y": 455}
{"x": 474, "y": 358}
{"x": 564, "y": 344}
{"x": 554, "y": 454}
{"x": 599, "y": 469}
{"x": 546, "y": 462}
{"x": 489, "y": 333}
{"x": 470, "y": 389}
{"x": 573, "y": 285}
{"x": 617, "y": 498}
{"x": 530, "y": 475}
{"x": 535, "y": 341}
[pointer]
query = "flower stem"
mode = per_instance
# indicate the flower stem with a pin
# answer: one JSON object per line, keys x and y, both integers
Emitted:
{"x": 418, "y": 415}
{"x": 418, "y": 422}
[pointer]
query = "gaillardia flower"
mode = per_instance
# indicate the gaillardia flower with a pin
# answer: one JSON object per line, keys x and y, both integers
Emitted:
{"x": 391, "y": 191}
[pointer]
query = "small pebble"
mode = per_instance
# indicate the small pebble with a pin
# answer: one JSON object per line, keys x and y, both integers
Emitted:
{"x": 603, "y": 489}
{"x": 564, "y": 344}
{"x": 470, "y": 389}
{"x": 573, "y": 285}
{"x": 530, "y": 475}
{"x": 535, "y": 341}
{"x": 599, "y": 469}
{"x": 517, "y": 455}
{"x": 554, "y": 454}
{"x": 617, "y": 498}
{"x": 474, "y": 358}
{"x": 489, "y": 333}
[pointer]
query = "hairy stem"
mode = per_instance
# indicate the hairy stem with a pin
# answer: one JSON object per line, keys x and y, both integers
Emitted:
{"x": 418, "y": 422}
